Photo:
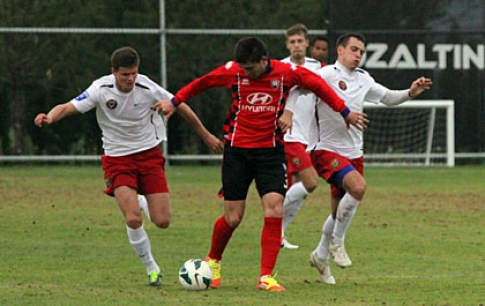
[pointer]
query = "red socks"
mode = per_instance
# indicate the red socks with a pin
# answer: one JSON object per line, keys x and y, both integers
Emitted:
{"x": 270, "y": 244}
{"x": 221, "y": 235}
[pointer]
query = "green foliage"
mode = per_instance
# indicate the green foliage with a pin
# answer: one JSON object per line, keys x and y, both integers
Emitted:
{"x": 266, "y": 14}
{"x": 39, "y": 70}
{"x": 417, "y": 239}
{"x": 42, "y": 70}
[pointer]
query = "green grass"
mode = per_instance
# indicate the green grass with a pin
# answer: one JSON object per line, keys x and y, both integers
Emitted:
{"x": 417, "y": 239}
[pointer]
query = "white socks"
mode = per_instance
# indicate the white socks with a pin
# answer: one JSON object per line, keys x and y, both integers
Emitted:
{"x": 293, "y": 201}
{"x": 345, "y": 212}
{"x": 322, "y": 250}
{"x": 334, "y": 230}
{"x": 141, "y": 244}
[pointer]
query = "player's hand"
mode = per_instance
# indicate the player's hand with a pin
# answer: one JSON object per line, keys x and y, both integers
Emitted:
{"x": 357, "y": 119}
{"x": 285, "y": 122}
{"x": 42, "y": 119}
{"x": 165, "y": 107}
{"x": 214, "y": 143}
{"x": 419, "y": 85}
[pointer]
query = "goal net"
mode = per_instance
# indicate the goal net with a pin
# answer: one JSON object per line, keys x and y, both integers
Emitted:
{"x": 415, "y": 133}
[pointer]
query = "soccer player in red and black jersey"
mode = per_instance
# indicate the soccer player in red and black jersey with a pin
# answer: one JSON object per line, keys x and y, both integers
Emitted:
{"x": 253, "y": 142}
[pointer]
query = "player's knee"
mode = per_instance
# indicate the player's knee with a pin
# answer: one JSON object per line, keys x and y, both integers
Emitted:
{"x": 162, "y": 222}
{"x": 134, "y": 221}
{"x": 311, "y": 185}
{"x": 273, "y": 211}
{"x": 233, "y": 221}
{"x": 358, "y": 191}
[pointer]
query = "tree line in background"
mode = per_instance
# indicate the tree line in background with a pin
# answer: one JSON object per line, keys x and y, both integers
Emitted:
{"x": 38, "y": 70}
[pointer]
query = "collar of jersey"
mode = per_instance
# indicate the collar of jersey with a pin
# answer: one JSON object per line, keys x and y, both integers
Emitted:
{"x": 342, "y": 68}
{"x": 268, "y": 67}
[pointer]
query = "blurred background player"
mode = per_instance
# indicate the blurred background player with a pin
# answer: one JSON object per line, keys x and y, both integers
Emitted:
{"x": 253, "y": 143}
{"x": 319, "y": 49}
{"x": 338, "y": 155}
{"x": 302, "y": 177}
{"x": 131, "y": 131}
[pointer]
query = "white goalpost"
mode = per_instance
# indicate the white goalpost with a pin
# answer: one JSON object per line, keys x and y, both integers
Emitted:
{"x": 415, "y": 133}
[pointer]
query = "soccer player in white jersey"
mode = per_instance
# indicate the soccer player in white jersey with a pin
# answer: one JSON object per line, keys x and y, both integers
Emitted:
{"x": 302, "y": 177}
{"x": 338, "y": 154}
{"x": 131, "y": 132}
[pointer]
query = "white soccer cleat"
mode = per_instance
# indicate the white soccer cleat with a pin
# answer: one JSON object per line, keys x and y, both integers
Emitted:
{"x": 286, "y": 245}
{"x": 142, "y": 201}
{"x": 323, "y": 269}
{"x": 340, "y": 256}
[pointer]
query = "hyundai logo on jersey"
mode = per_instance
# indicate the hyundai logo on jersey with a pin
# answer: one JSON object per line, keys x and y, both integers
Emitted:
{"x": 259, "y": 98}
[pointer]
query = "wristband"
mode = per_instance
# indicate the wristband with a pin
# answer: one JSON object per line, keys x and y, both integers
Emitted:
{"x": 345, "y": 112}
{"x": 173, "y": 102}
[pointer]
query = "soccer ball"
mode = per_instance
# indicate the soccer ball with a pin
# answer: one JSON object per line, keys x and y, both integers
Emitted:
{"x": 195, "y": 274}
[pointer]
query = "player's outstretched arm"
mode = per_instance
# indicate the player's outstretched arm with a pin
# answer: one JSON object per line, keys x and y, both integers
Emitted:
{"x": 419, "y": 85}
{"x": 55, "y": 114}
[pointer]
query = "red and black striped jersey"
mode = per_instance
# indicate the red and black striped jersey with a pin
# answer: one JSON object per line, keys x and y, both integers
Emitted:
{"x": 252, "y": 120}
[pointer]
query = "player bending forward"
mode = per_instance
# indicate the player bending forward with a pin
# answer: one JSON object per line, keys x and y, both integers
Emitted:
{"x": 253, "y": 143}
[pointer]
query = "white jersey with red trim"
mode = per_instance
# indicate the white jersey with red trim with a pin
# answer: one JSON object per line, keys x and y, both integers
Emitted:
{"x": 127, "y": 120}
{"x": 304, "y": 111}
{"x": 354, "y": 87}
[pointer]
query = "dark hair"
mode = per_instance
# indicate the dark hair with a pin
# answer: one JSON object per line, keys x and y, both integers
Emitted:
{"x": 344, "y": 39}
{"x": 317, "y": 38}
{"x": 297, "y": 29}
{"x": 250, "y": 50}
{"x": 125, "y": 57}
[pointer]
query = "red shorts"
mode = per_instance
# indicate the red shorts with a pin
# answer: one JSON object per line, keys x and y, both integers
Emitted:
{"x": 297, "y": 159}
{"x": 296, "y": 156}
{"x": 328, "y": 163}
{"x": 143, "y": 171}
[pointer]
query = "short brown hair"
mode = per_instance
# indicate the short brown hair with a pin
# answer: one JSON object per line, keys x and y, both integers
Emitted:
{"x": 343, "y": 40}
{"x": 298, "y": 28}
{"x": 125, "y": 57}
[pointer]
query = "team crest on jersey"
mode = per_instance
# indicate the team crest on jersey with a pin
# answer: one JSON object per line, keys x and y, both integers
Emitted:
{"x": 342, "y": 85}
{"x": 296, "y": 161}
{"x": 335, "y": 163}
{"x": 275, "y": 84}
{"x": 111, "y": 104}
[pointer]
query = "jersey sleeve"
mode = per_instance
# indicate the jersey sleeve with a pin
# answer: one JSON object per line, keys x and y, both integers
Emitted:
{"x": 292, "y": 98}
{"x": 87, "y": 100}
{"x": 314, "y": 82}
{"x": 376, "y": 92}
{"x": 219, "y": 77}
{"x": 160, "y": 93}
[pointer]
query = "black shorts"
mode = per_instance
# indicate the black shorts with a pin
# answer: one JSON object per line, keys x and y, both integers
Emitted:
{"x": 241, "y": 165}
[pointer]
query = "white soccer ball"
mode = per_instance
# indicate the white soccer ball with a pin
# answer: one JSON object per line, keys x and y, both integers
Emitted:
{"x": 195, "y": 274}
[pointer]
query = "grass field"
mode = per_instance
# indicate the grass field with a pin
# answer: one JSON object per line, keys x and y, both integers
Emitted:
{"x": 417, "y": 239}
